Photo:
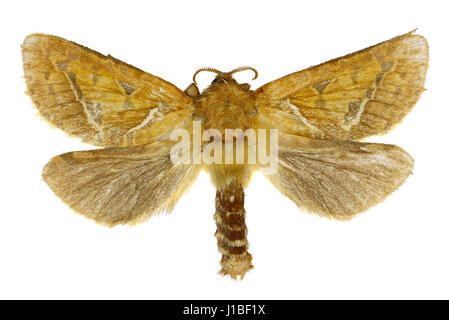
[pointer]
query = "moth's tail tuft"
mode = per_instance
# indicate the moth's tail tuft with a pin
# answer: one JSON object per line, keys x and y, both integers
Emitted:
{"x": 231, "y": 231}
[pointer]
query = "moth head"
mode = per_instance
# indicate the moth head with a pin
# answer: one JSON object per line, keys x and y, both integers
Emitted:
{"x": 225, "y": 77}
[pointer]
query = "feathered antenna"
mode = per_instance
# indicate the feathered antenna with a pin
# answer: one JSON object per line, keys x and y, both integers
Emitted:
{"x": 243, "y": 69}
{"x": 205, "y": 69}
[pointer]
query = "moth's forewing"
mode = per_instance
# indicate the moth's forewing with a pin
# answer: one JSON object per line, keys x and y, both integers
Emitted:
{"x": 349, "y": 98}
{"x": 97, "y": 98}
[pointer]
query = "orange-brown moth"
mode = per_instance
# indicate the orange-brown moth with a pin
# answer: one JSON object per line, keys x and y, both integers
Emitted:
{"x": 320, "y": 113}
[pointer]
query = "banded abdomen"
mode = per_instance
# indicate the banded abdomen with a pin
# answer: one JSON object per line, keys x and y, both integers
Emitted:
{"x": 231, "y": 230}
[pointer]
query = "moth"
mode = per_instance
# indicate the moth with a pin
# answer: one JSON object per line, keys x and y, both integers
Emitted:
{"x": 320, "y": 115}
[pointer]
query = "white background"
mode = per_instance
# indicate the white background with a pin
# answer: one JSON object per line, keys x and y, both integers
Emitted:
{"x": 398, "y": 249}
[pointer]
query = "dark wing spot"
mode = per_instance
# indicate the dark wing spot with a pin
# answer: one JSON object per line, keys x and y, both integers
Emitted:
{"x": 321, "y": 86}
{"x": 379, "y": 78}
{"x": 386, "y": 66}
{"x": 370, "y": 93}
{"x": 354, "y": 108}
{"x": 129, "y": 89}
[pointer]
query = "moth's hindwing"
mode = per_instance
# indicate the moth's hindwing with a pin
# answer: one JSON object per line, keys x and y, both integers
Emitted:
{"x": 119, "y": 185}
{"x": 338, "y": 179}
